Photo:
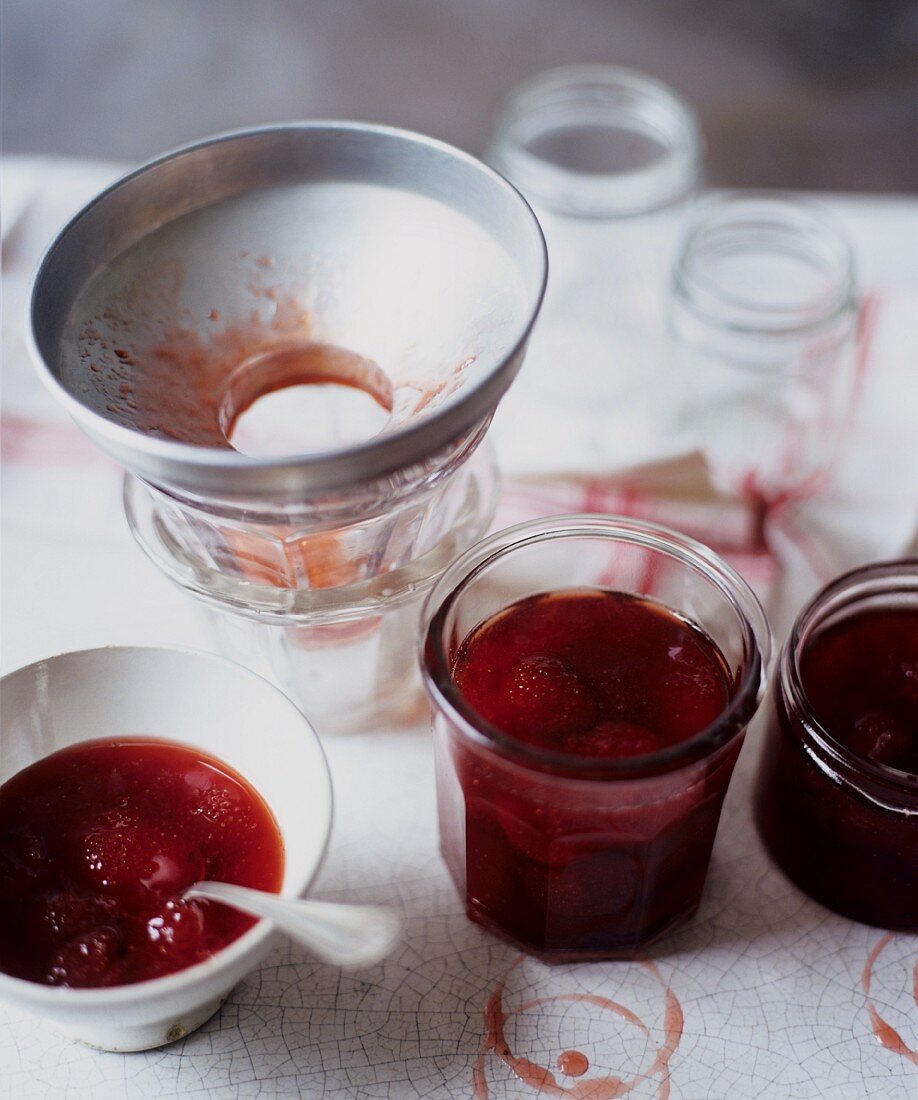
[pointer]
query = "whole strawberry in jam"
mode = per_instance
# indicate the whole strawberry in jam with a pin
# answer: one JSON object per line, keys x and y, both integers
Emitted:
{"x": 545, "y": 693}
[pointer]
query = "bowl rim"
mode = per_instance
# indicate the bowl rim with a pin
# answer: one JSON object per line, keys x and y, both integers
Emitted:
{"x": 13, "y": 989}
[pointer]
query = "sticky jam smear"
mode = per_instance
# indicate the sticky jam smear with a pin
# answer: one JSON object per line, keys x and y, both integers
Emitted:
{"x": 573, "y": 1063}
{"x": 97, "y": 844}
{"x": 886, "y": 1035}
{"x": 151, "y": 363}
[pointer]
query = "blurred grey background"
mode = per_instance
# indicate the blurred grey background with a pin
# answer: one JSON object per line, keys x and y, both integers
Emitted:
{"x": 792, "y": 93}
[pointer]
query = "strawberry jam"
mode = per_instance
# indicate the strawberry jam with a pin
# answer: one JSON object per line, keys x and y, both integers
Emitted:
{"x": 592, "y": 673}
{"x": 98, "y": 843}
{"x": 837, "y": 794}
{"x": 582, "y": 835}
{"x": 861, "y": 678}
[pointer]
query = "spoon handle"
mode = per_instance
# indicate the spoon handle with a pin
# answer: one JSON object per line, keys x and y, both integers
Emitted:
{"x": 344, "y": 935}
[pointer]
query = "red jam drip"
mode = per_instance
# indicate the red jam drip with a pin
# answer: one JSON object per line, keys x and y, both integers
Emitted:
{"x": 593, "y": 673}
{"x": 886, "y": 1035}
{"x": 573, "y": 1063}
{"x": 97, "y": 844}
{"x": 860, "y": 676}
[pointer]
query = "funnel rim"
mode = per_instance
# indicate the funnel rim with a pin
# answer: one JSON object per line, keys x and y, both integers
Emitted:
{"x": 375, "y": 457}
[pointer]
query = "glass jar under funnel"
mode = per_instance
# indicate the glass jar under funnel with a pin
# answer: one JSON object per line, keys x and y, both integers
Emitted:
{"x": 294, "y": 339}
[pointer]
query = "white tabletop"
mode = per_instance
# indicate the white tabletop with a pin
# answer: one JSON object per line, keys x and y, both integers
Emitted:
{"x": 768, "y": 981}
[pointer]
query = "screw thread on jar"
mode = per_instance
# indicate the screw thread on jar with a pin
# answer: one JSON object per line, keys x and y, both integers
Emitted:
{"x": 760, "y": 267}
{"x": 598, "y": 141}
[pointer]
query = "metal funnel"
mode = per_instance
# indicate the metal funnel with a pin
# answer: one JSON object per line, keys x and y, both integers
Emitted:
{"x": 427, "y": 267}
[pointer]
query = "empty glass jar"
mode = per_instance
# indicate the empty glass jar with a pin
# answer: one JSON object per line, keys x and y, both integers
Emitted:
{"x": 323, "y": 601}
{"x": 607, "y": 158}
{"x": 761, "y": 362}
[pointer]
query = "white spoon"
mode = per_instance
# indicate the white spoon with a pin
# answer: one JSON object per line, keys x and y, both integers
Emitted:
{"x": 344, "y": 935}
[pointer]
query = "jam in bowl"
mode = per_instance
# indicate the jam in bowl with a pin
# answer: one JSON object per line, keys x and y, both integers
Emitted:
{"x": 98, "y": 843}
{"x": 837, "y": 791}
{"x": 592, "y": 679}
{"x": 126, "y": 773}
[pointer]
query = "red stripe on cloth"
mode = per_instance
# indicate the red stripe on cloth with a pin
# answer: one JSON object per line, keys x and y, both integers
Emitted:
{"x": 779, "y": 509}
{"x": 787, "y": 523}
{"x": 726, "y": 524}
{"x": 716, "y": 523}
{"x": 28, "y": 442}
{"x": 871, "y": 304}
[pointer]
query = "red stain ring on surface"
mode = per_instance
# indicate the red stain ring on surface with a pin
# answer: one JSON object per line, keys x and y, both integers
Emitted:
{"x": 542, "y": 1080}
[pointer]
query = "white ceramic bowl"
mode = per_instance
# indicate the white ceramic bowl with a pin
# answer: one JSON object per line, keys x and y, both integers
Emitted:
{"x": 198, "y": 700}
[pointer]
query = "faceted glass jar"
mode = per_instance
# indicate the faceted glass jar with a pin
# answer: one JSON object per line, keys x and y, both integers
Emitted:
{"x": 567, "y": 856}
{"x": 300, "y": 593}
{"x": 842, "y": 827}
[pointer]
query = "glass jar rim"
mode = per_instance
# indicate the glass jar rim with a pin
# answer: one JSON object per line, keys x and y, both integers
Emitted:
{"x": 638, "y": 102}
{"x": 763, "y": 210}
{"x": 735, "y": 716}
{"x": 828, "y": 600}
{"x": 264, "y": 602}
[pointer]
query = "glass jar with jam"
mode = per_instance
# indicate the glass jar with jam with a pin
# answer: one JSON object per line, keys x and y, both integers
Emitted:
{"x": 592, "y": 678}
{"x": 837, "y": 794}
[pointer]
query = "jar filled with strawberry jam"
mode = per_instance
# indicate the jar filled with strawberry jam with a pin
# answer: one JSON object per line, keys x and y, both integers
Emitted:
{"x": 592, "y": 678}
{"x": 837, "y": 793}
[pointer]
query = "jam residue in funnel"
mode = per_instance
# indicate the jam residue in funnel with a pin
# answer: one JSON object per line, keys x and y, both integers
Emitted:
{"x": 158, "y": 370}
{"x": 150, "y": 363}
{"x": 304, "y": 398}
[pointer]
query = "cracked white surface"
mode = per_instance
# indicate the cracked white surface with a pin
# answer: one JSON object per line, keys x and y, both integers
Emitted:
{"x": 769, "y": 983}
